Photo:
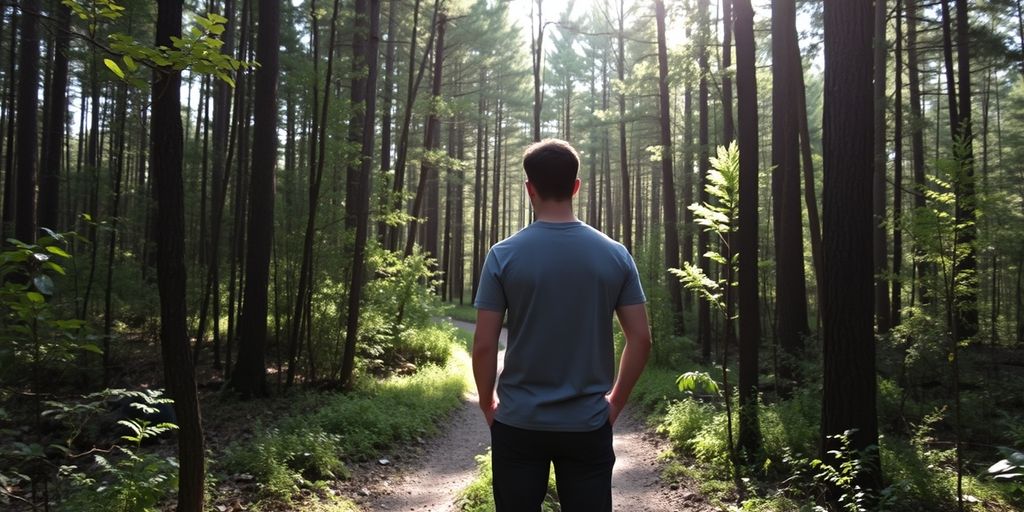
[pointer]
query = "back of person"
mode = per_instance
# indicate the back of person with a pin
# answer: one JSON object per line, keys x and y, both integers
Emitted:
{"x": 560, "y": 282}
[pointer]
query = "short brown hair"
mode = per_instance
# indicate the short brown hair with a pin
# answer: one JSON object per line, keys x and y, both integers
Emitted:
{"x": 551, "y": 167}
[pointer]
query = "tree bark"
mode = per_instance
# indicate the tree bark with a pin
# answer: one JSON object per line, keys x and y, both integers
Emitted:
{"x": 166, "y": 165}
{"x": 848, "y": 385}
{"x": 896, "y": 302}
{"x": 28, "y": 104}
{"x": 362, "y": 208}
{"x": 880, "y": 244}
{"x": 750, "y": 315}
{"x": 790, "y": 282}
{"x": 53, "y": 126}
{"x": 703, "y": 308}
{"x": 667, "y": 176}
{"x": 627, "y": 212}
{"x": 728, "y": 126}
{"x": 249, "y": 377}
{"x": 429, "y": 169}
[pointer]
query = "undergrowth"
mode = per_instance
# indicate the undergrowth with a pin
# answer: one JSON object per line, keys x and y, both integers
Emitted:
{"x": 919, "y": 469}
{"x": 303, "y": 450}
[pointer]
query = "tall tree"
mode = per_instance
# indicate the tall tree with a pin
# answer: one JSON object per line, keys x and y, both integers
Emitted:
{"x": 728, "y": 125}
{"x": 667, "y": 176}
{"x": 966, "y": 310}
{"x": 703, "y": 308}
{"x": 53, "y": 126}
{"x": 428, "y": 168}
{"x": 750, "y": 315}
{"x": 166, "y": 165}
{"x": 880, "y": 252}
{"x": 848, "y": 344}
{"x": 537, "y": 57}
{"x": 790, "y": 283}
{"x": 365, "y": 55}
{"x": 627, "y": 212}
{"x": 28, "y": 104}
{"x": 249, "y": 377}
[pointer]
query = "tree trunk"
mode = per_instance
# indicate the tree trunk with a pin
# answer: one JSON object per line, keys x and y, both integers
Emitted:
{"x": 428, "y": 168}
{"x": 166, "y": 165}
{"x": 10, "y": 194}
{"x": 880, "y": 246}
{"x": 897, "y": 200}
{"x": 848, "y": 385}
{"x": 966, "y": 314}
{"x": 728, "y": 128}
{"x": 249, "y": 377}
{"x": 28, "y": 103}
{"x": 703, "y": 307}
{"x": 369, "y": 57}
{"x": 917, "y": 122}
{"x": 627, "y": 212}
{"x": 667, "y": 176}
{"x": 750, "y": 315}
{"x": 790, "y": 282}
{"x": 53, "y": 126}
{"x": 387, "y": 99}
{"x": 537, "y": 55}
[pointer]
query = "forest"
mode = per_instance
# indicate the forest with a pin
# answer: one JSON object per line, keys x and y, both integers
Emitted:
{"x": 241, "y": 240}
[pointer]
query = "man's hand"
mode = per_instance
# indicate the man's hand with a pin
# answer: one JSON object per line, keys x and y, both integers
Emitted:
{"x": 489, "y": 409}
{"x": 614, "y": 409}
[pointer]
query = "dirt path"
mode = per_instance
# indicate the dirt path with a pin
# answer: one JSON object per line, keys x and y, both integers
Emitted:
{"x": 431, "y": 479}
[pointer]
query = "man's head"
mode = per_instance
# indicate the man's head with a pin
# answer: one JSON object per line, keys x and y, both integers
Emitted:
{"x": 551, "y": 167}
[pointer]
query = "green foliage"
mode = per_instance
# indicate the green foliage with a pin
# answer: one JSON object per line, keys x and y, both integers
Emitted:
{"x": 396, "y": 320}
{"x": 34, "y": 336}
{"x": 198, "y": 49}
{"x": 303, "y": 449}
{"x": 699, "y": 383}
{"x": 125, "y": 477}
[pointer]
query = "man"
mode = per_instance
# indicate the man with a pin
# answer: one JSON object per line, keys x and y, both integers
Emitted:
{"x": 560, "y": 280}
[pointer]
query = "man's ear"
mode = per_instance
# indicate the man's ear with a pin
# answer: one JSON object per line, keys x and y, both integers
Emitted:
{"x": 532, "y": 192}
{"x": 576, "y": 186}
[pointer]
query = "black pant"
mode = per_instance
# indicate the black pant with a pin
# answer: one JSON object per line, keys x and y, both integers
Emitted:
{"x": 583, "y": 468}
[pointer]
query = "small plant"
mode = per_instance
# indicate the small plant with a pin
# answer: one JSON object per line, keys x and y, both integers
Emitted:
{"x": 844, "y": 478}
{"x": 1010, "y": 469}
{"x": 718, "y": 218}
{"x": 123, "y": 477}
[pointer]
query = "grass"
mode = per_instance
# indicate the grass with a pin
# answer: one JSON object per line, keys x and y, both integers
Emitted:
{"x": 311, "y": 447}
{"x": 461, "y": 312}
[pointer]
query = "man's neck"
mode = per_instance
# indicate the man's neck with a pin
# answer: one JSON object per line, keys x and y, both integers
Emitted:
{"x": 554, "y": 211}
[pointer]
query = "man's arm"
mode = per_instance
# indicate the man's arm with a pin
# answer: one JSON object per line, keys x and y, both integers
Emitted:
{"x": 633, "y": 319}
{"x": 485, "y": 359}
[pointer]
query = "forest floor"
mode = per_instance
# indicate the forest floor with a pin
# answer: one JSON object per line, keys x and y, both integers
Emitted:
{"x": 431, "y": 476}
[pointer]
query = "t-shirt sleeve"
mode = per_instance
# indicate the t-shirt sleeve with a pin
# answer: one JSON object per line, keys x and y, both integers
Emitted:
{"x": 632, "y": 292}
{"x": 490, "y": 294}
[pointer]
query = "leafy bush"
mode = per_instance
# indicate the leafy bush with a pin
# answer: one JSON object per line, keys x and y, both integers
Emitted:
{"x": 35, "y": 338}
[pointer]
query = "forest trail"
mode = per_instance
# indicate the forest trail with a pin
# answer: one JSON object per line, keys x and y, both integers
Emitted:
{"x": 432, "y": 480}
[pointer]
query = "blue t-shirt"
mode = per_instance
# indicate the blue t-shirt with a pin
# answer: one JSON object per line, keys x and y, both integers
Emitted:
{"x": 560, "y": 283}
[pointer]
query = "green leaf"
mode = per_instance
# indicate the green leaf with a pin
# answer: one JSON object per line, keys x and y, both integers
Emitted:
{"x": 112, "y": 66}
{"x": 54, "y": 267}
{"x": 44, "y": 284}
{"x": 129, "y": 63}
{"x": 91, "y": 347}
{"x": 53, "y": 249}
{"x": 35, "y": 297}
